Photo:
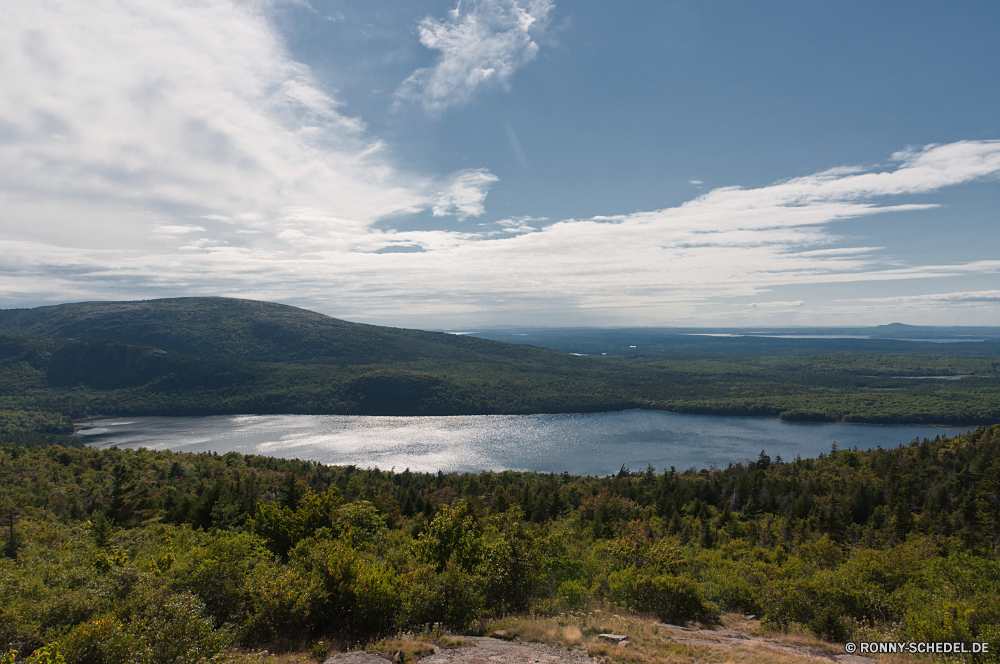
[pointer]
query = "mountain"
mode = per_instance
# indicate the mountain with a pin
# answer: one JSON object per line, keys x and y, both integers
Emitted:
{"x": 251, "y": 331}
{"x": 226, "y": 356}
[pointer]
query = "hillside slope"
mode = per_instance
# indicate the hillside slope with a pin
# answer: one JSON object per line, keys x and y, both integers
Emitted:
{"x": 248, "y": 330}
{"x": 221, "y": 355}
{"x": 81, "y": 377}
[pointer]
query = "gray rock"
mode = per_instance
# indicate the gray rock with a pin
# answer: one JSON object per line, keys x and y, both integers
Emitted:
{"x": 614, "y": 638}
{"x": 355, "y": 658}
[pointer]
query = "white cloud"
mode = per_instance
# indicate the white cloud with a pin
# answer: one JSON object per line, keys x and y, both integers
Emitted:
{"x": 519, "y": 224}
{"x": 180, "y": 105}
{"x": 482, "y": 43}
{"x": 962, "y": 297}
{"x": 657, "y": 266}
{"x": 192, "y": 111}
{"x": 777, "y": 305}
{"x": 979, "y": 307}
{"x": 176, "y": 230}
{"x": 464, "y": 194}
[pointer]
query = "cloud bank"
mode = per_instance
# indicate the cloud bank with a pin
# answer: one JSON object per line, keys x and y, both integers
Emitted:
{"x": 481, "y": 44}
{"x": 665, "y": 265}
{"x": 152, "y": 148}
{"x": 181, "y": 105}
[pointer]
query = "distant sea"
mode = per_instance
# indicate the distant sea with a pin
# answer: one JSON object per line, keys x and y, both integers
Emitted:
{"x": 590, "y": 444}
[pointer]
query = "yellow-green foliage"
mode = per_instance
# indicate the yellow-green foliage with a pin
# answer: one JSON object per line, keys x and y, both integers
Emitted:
{"x": 141, "y": 556}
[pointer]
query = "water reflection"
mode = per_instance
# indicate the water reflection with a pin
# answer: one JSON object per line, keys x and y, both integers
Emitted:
{"x": 591, "y": 444}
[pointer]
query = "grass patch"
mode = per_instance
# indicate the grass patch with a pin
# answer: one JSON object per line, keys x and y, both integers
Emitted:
{"x": 412, "y": 647}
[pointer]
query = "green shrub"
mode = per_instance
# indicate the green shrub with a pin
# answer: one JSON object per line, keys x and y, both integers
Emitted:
{"x": 152, "y": 626}
{"x": 622, "y": 586}
{"x": 510, "y": 563}
{"x": 831, "y": 625}
{"x": 93, "y": 642}
{"x": 787, "y": 601}
{"x": 452, "y": 537}
{"x": 281, "y": 527}
{"x": 360, "y": 523}
{"x": 278, "y": 596}
{"x": 47, "y": 655}
{"x": 674, "y": 599}
{"x": 451, "y": 597}
{"x": 377, "y": 599}
{"x": 160, "y": 626}
{"x": 575, "y": 592}
{"x": 218, "y": 572}
{"x": 329, "y": 570}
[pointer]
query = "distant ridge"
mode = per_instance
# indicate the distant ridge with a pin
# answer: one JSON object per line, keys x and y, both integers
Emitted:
{"x": 246, "y": 330}
{"x": 898, "y": 326}
{"x": 214, "y": 355}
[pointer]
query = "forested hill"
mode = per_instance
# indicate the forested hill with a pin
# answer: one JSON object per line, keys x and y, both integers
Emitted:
{"x": 227, "y": 356}
{"x": 248, "y": 330}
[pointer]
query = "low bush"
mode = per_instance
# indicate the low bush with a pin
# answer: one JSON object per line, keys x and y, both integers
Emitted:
{"x": 674, "y": 599}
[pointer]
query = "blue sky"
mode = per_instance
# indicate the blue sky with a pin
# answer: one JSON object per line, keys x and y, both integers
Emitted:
{"x": 434, "y": 164}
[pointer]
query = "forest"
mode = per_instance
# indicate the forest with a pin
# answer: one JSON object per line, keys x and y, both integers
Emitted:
{"x": 125, "y": 555}
{"x": 192, "y": 356}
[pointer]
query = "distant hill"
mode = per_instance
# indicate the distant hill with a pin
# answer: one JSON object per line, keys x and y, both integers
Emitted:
{"x": 248, "y": 330}
{"x": 737, "y": 343}
{"x": 223, "y": 355}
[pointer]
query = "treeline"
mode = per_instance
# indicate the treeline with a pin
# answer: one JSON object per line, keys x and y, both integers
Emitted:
{"x": 138, "y": 555}
{"x": 195, "y": 356}
{"x": 45, "y": 382}
{"x": 20, "y": 421}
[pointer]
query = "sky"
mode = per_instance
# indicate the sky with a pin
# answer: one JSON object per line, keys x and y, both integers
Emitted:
{"x": 444, "y": 164}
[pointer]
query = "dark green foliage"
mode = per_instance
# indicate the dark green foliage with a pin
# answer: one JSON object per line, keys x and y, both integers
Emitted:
{"x": 830, "y": 625}
{"x": 24, "y": 422}
{"x": 247, "y": 330}
{"x": 101, "y": 529}
{"x": 449, "y": 596}
{"x": 674, "y": 599}
{"x": 10, "y": 550}
{"x": 150, "y": 625}
{"x": 216, "y": 572}
{"x": 282, "y": 526}
{"x": 220, "y": 355}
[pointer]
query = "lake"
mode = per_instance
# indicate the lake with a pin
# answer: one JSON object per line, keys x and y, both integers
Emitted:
{"x": 589, "y": 444}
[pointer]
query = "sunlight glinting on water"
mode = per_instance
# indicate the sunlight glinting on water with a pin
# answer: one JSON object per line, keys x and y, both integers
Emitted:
{"x": 590, "y": 444}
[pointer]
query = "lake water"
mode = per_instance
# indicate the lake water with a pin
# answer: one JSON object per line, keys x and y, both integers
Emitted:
{"x": 591, "y": 444}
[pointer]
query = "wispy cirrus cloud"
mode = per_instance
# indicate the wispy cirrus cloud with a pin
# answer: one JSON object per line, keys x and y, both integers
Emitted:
{"x": 146, "y": 107}
{"x": 960, "y": 297}
{"x": 152, "y": 148}
{"x": 978, "y": 307}
{"x": 481, "y": 44}
{"x": 777, "y": 304}
{"x": 665, "y": 265}
{"x": 176, "y": 229}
